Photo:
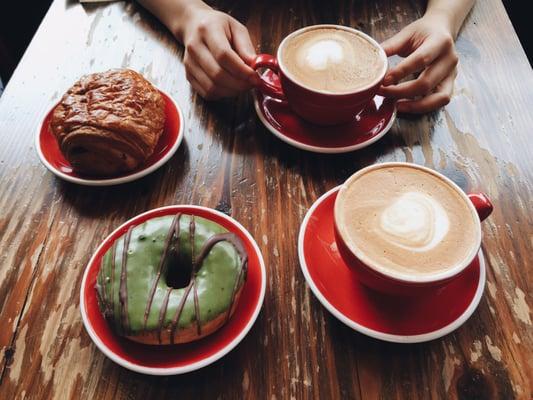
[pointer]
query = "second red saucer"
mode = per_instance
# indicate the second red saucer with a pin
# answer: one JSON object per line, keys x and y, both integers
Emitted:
{"x": 390, "y": 318}
{"x": 372, "y": 124}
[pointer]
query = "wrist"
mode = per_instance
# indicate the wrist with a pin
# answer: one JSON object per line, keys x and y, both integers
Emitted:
{"x": 444, "y": 18}
{"x": 185, "y": 15}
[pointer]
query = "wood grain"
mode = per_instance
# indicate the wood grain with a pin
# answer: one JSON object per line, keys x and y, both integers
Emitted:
{"x": 229, "y": 161}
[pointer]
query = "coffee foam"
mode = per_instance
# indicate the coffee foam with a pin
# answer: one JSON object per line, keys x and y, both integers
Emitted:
{"x": 414, "y": 221}
{"x": 407, "y": 220}
{"x": 332, "y": 60}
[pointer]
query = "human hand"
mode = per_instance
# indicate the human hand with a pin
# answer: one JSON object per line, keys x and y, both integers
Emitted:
{"x": 428, "y": 47}
{"x": 218, "y": 50}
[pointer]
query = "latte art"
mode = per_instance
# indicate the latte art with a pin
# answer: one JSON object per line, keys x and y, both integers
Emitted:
{"x": 414, "y": 221}
{"x": 323, "y": 53}
{"x": 406, "y": 219}
{"x": 332, "y": 59}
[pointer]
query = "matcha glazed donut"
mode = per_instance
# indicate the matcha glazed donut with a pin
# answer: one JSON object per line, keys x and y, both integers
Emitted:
{"x": 171, "y": 279}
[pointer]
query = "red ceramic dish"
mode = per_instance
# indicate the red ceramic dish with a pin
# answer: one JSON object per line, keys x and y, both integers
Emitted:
{"x": 401, "y": 319}
{"x": 372, "y": 124}
{"x": 51, "y": 156}
{"x": 179, "y": 358}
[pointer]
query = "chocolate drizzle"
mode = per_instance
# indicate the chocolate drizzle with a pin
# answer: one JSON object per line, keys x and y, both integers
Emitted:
{"x": 176, "y": 318}
{"x": 101, "y": 279}
{"x": 172, "y": 240}
{"x": 101, "y": 298}
{"x": 108, "y": 303}
{"x": 192, "y": 228}
{"x": 162, "y": 314}
{"x": 123, "y": 292}
{"x": 170, "y": 234}
{"x": 244, "y": 268}
{"x": 113, "y": 255}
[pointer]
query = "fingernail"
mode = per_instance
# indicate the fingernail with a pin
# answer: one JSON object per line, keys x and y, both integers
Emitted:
{"x": 388, "y": 80}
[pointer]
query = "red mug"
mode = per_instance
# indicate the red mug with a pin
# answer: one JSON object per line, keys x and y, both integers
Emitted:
{"x": 319, "y": 107}
{"x": 387, "y": 281}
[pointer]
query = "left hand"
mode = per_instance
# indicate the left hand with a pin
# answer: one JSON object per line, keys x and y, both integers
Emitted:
{"x": 428, "y": 47}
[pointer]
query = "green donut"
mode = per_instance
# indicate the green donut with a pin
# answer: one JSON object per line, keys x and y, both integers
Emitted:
{"x": 134, "y": 292}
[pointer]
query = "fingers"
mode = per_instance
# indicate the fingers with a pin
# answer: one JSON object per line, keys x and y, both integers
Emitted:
{"x": 196, "y": 86}
{"x": 244, "y": 47}
{"x": 218, "y": 43}
{"x": 437, "y": 99}
{"x": 427, "y": 80}
{"x": 396, "y": 43}
{"x": 203, "y": 84}
{"x": 210, "y": 93}
{"x": 241, "y": 41}
{"x": 204, "y": 59}
{"x": 419, "y": 59}
{"x": 217, "y": 48}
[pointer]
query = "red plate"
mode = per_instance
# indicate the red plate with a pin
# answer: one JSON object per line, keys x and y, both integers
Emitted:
{"x": 368, "y": 127}
{"x": 178, "y": 358}
{"x": 51, "y": 156}
{"x": 391, "y": 318}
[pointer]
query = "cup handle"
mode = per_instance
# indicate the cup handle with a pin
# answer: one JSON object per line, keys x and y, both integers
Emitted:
{"x": 268, "y": 88}
{"x": 482, "y": 204}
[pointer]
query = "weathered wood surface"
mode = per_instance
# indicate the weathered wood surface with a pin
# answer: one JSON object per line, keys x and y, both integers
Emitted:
{"x": 49, "y": 228}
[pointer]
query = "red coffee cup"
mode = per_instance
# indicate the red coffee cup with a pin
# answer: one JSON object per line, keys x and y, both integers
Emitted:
{"x": 388, "y": 281}
{"x": 319, "y": 107}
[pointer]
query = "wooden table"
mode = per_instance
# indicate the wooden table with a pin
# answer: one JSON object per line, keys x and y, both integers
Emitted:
{"x": 49, "y": 228}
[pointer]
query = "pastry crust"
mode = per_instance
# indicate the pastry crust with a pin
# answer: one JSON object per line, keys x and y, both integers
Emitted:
{"x": 109, "y": 123}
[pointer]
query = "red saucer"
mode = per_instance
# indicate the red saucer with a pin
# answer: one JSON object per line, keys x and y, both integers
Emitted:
{"x": 178, "y": 358}
{"x": 390, "y": 318}
{"x": 374, "y": 122}
{"x": 51, "y": 156}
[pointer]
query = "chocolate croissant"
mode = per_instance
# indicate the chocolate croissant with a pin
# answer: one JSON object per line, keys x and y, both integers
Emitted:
{"x": 109, "y": 123}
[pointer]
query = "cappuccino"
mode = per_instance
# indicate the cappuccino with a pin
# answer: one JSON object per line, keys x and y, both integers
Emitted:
{"x": 407, "y": 219}
{"x": 332, "y": 60}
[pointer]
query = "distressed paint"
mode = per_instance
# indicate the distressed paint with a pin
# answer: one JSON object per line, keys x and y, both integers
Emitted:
{"x": 229, "y": 161}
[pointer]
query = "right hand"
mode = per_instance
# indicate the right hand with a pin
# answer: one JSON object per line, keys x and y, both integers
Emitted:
{"x": 218, "y": 50}
{"x": 428, "y": 47}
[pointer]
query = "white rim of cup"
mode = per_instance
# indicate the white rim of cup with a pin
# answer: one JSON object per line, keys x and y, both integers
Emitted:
{"x": 317, "y": 149}
{"x": 388, "y": 337}
{"x": 435, "y": 277}
{"x": 363, "y": 35}
{"x": 196, "y": 365}
{"x": 117, "y": 180}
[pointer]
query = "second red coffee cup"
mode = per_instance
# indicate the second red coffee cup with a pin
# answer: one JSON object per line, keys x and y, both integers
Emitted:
{"x": 318, "y": 106}
{"x": 370, "y": 267}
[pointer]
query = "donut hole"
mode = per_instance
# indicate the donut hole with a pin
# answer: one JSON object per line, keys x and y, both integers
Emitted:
{"x": 179, "y": 272}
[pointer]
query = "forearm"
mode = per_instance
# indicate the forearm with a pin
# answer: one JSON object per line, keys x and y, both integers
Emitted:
{"x": 454, "y": 12}
{"x": 172, "y": 13}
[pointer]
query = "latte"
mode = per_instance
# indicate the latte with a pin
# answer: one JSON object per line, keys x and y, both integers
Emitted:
{"x": 406, "y": 219}
{"x": 332, "y": 60}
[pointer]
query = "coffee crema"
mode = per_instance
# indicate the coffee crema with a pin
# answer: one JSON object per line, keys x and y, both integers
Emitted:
{"x": 332, "y": 60}
{"x": 407, "y": 220}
